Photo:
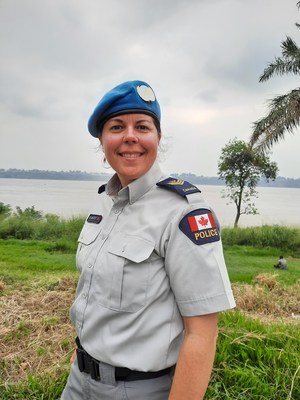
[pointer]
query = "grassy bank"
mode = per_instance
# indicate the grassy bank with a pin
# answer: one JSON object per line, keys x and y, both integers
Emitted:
{"x": 259, "y": 342}
{"x": 255, "y": 360}
{"x": 33, "y": 224}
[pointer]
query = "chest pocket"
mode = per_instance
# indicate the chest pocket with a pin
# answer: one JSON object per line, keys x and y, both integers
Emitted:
{"x": 124, "y": 273}
{"x": 87, "y": 237}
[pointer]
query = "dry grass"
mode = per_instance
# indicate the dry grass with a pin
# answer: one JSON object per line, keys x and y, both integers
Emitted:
{"x": 36, "y": 335}
{"x": 35, "y": 332}
{"x": 268, "y": 300}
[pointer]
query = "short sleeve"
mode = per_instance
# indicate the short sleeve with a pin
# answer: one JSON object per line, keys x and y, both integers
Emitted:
{"x": 195, "y": 264}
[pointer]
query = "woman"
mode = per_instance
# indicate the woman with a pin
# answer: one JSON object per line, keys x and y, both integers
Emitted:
{"x": 152, "y": 272}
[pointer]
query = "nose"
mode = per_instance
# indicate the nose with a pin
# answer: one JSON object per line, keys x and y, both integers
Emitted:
{"x": 130, "y": 135}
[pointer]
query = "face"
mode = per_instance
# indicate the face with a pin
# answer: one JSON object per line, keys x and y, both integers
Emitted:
{"x": 130, "y": 144}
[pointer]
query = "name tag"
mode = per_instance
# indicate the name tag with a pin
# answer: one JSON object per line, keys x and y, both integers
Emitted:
{"x": 94, "y": 218}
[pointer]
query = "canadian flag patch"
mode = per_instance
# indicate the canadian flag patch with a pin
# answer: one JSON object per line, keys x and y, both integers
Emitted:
{"x": 200, "y": 222}
{"x": 200, "y": 226}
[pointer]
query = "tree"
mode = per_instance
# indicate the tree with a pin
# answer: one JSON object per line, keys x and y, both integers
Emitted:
{"x": 5, "y": 209}
{"x": 241, "y": 167}
{"x": 284, "y": 110}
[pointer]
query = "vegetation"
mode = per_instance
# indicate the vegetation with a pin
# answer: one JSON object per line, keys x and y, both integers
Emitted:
{"x": 266, "y": 236}
{"x": 241, "y": 167}
{"x": 284, "y": 111}
{"x": 255, "y": 360}
{"x": 259, "y": 342}
{"x": 33, "y": 224}
{"x": 55, "y": 175}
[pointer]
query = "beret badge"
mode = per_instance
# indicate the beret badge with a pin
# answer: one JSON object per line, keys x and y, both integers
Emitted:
{"x": 145, "y": 93}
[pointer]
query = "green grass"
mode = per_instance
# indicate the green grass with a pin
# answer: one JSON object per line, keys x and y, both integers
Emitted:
{"x": 35, "y": 263}
{"x": 255, "y": 360}
{"x": 245, "y": 262}
{"x": 20, "y": 260}
{"x": 42, "y": 387}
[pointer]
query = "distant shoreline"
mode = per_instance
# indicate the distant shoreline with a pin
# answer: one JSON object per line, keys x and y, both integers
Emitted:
{"x": 93, "y": 176}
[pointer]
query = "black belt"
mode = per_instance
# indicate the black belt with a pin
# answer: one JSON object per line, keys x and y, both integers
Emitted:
{"x": 90, "y": 365}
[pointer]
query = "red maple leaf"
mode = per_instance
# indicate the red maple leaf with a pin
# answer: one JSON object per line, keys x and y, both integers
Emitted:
{"x": 203, "y": 221}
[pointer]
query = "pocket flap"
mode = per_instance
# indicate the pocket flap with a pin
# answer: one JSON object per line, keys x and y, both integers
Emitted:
{"x": 133, "y": 248}
{"x": 88, "y": 234}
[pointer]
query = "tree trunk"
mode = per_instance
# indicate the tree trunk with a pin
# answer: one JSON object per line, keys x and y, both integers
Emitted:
{"x": 236, "y": 221}
{"x": 238, "y": 209}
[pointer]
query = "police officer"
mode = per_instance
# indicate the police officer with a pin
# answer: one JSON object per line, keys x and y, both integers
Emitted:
{"x": 152, "y": 272}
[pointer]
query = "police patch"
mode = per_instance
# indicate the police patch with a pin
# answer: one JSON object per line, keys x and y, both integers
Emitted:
{"x": 183, "y": 188}
{"x": 94, "y": 219}
{"x": 200, "y": 227}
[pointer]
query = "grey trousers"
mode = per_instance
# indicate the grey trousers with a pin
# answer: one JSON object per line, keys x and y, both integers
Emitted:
{"x": 80, "y": 386}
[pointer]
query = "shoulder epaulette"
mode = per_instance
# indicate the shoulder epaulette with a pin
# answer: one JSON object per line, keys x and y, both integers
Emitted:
{"x": 183, "y": 188}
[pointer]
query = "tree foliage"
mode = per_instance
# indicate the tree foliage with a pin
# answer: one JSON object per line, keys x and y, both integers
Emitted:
{"x": 284, "y": 111}
{"x": 241, "y": 167}
{"x": 5, "y": 209}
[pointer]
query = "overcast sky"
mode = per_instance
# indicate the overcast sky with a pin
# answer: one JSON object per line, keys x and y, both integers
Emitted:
{"x": 203, "y": 59}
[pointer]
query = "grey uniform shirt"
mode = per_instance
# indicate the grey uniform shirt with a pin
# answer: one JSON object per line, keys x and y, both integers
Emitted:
{"x": 142, "y": 267}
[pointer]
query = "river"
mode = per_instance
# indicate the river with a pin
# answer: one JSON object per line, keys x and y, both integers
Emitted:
{"x": 72, "y": 198}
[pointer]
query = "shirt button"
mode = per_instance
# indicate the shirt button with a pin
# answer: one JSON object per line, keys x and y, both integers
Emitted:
{"x": 84, "y": 295}
{"x": 117, "y": 211}
{"x": 103, "y": 236}
{"x": 90, "y": 265}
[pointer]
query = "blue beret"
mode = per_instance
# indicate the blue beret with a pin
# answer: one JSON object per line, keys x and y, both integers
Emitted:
{"x": 128, "y": 97}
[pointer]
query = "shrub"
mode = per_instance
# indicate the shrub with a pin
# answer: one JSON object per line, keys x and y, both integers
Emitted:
{"x": 17, "y": 227}
{"x": 5, "y": 209}
{"x": 276, "y": 236}
{"x": 32, "y": 224}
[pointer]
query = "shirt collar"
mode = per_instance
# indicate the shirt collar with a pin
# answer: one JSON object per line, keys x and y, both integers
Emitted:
{"x": 137, "y": 188}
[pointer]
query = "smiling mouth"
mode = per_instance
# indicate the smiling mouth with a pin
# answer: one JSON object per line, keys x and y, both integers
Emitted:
{"x": 130, "y": 156}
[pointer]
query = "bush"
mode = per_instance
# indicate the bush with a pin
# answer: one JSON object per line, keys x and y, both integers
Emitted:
{"x": 29, "y": 212}
{"x": 5, "y": 209}
{"x": 32, "y": 224}
{"x": 276, "y": 236}
{"x": 17, "y": 227}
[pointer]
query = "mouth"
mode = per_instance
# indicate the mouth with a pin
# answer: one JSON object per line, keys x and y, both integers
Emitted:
{"x": 130, "y": 156}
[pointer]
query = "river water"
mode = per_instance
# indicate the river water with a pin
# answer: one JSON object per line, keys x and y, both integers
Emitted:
{"x": 72, "y": 198}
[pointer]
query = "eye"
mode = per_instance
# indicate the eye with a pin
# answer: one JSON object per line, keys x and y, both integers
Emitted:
{"x": 116, "y": 127}
{"x": 143, "y": 127}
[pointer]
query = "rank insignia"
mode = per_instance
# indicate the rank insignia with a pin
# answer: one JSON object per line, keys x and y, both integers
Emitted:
{"x": 94, "y": 218}
{"x": 183, "y": 188}
{"x": 200, "y": 227}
